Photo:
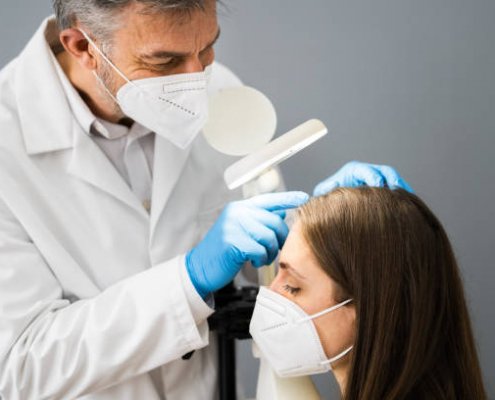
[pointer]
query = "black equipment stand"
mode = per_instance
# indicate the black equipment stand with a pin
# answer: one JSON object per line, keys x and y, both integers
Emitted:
{"x": 234, "y": 308}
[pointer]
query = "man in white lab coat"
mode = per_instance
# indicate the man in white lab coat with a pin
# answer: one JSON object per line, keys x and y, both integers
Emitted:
{"x": 110, "y": 237}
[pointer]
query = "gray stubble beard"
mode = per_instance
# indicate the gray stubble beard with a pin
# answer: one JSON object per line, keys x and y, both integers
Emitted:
{"x": 107, "y": 88}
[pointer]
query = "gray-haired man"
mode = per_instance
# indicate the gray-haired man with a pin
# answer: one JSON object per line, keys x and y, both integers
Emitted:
{"x": 107, "y": 197}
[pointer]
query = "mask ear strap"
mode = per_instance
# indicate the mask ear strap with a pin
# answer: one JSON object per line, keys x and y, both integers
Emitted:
{"x": 105, "y": 88}
{"x": 337, "y": 357}
{"x": 92, "y": 43}
{"x": 319, "y": 314}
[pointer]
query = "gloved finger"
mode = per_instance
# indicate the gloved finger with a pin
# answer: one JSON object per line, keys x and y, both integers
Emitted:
{"x": 367, "y": 174}
{"x": 325, "y": 187}
{"x": 274, "y": 222}
{"x": 279, "y": 201}
{"x": 262, "y": 235}
{"x": 352, "y": 174}
{"x": 254, "y": 252}
{"x": 393, "y": 179}
{"x": 281, "y": 213}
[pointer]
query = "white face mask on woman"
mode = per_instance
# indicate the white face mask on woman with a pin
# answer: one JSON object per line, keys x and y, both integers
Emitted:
{"x": 287, "y": 337}
{"x": 174, "y": 106}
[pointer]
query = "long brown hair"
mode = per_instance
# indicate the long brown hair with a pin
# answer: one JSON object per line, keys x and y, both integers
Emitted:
{"x": 387, "y": 251}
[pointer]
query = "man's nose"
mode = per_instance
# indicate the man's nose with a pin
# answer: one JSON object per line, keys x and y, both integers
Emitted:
{"x": 193, "y": 64}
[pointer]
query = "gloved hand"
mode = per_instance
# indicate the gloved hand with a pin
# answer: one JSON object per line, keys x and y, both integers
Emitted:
{"x": 355, "y": 174}
{"x": 249, "y": 230}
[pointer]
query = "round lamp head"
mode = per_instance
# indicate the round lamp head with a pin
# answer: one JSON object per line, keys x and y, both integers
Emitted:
{"x": 241, "y": 121}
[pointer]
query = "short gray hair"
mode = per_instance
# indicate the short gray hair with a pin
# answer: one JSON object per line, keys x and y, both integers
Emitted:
{"x": 97, "y": 15}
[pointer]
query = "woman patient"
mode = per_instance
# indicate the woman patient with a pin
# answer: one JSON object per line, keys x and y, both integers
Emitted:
{"x": 369, "y": 288}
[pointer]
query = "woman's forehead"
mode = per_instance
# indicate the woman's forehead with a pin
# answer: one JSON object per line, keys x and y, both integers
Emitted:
{"x": 297, "y": 253}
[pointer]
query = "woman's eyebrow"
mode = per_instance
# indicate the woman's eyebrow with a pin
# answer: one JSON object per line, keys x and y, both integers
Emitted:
{"x": 290, "y": 269}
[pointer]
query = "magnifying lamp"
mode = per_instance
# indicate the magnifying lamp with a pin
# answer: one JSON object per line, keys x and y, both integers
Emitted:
{"x": 242, "y": 122}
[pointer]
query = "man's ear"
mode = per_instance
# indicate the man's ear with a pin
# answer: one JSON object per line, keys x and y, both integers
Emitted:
{"x": 78, "y": 47}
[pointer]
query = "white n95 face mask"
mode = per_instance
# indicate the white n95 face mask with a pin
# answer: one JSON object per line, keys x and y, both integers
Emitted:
{"x": 174, "y": 106}
{"x": 287, "y": 337}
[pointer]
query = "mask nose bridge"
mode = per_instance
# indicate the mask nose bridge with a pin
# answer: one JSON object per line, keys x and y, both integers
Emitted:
{"x": 272, "y": 306}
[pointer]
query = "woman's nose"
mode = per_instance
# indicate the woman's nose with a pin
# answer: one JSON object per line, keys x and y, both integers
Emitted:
{"x": 275, "y": 283}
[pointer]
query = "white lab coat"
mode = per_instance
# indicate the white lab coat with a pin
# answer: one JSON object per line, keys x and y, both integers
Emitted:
{"x": 93, "y": 290}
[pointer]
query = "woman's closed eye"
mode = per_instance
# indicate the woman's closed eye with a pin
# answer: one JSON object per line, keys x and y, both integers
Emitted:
{"x": 291, "y": 289}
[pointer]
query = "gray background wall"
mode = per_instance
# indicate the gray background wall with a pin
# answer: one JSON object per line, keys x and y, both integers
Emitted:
{"x": 409, "y": 83}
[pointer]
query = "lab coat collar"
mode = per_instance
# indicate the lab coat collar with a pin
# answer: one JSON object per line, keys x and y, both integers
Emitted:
{"x": 91, "y": 165}
{"x": 44, "y": 112}
{"x": 48, "y": 122}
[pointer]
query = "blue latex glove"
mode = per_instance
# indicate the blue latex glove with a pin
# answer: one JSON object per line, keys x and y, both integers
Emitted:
{"x": 355, "y": 174}
{"x": 249, "y": 230}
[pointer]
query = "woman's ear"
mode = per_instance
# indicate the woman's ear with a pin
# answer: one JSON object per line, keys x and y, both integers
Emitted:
{"x": 78, "y": 47}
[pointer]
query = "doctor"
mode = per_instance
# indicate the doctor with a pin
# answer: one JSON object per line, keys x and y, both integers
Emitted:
{"x": 115, "y": 224}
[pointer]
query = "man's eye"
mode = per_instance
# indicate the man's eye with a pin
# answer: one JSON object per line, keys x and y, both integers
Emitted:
{"x": 291, "y": 289}
{"x": 165, "y": 64}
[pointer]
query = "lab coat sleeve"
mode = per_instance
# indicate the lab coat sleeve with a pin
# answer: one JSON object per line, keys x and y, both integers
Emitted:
{"x": 196, "y": 304}
{"x": 50, "y": 348}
